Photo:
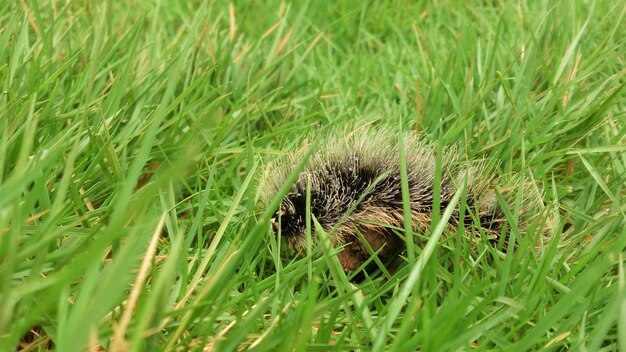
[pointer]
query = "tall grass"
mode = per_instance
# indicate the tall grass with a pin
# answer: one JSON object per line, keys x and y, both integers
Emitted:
{"x": 132, "y": 136}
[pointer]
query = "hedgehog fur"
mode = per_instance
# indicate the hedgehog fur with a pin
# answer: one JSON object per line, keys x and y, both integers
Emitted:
{"x": 355, "y": 187}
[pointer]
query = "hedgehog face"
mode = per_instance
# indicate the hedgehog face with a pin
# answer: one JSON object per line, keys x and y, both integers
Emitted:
{"x": 292, "y": 213}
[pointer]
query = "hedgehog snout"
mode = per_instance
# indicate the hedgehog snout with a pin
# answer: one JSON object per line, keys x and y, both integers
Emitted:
{"x": 274, "y": 220}
{"x": 291, "y": 223}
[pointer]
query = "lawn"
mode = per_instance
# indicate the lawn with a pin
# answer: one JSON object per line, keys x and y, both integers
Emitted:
{"x": 134, "y": 136}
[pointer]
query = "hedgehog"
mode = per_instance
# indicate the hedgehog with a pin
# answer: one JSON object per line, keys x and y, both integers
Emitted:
{"x": 356, "y": 193}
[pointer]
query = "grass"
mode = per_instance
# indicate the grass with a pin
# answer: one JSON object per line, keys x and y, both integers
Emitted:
{"x": 133, "y": 135}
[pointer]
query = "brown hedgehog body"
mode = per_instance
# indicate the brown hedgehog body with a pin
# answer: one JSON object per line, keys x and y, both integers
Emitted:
{"x": 355, "y": 187}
